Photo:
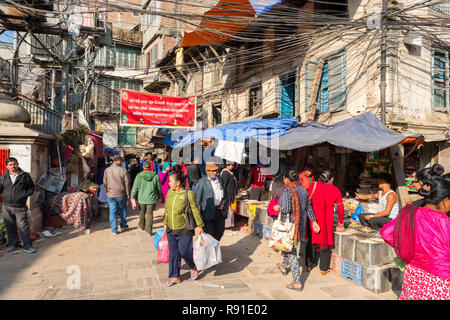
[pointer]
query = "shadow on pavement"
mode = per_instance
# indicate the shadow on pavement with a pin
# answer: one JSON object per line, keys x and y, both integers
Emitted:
{"x": 235, "y": 257}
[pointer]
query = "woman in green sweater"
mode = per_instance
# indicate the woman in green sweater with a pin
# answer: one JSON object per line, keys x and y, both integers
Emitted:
{"x": 178, "y": 236}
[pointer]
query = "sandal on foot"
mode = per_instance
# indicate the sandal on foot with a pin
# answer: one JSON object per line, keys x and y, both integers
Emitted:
{"x": 171, "y": 283}
{"x": 283, "y": 271}
{"x": 324, "y": 273}
{"x": 194, "y": 275}
{"x": 293, "y": 287}
{"x": 308, "y": 269}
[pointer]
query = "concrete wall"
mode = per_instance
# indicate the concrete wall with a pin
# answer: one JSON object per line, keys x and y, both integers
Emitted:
{"x": 33, "y": 158}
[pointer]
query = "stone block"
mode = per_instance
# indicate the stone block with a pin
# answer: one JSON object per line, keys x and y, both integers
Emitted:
{"x": 338, "y": 240}
{"x": 335, "y": 264}
{"x": 376, "y": 278}
{"x": 366, "y": 250}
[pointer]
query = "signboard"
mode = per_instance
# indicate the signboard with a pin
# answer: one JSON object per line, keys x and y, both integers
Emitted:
{"x": 151, "y": 110}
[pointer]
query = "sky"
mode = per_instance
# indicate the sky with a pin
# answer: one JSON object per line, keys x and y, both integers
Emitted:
{"x": 7, "y": 36}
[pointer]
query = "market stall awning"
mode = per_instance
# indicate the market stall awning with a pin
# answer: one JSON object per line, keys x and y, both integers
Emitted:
{"x": 365, "y": 133}
{"x": 235, "y": 131}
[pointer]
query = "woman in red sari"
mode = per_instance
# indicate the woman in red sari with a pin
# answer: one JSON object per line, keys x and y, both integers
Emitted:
{"x": 323, "y": 196}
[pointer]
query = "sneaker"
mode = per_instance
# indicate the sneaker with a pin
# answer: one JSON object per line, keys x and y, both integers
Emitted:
{"x": 12, "y": 248}
{"x": 30, "y": 250}
{"x": 115, "y": 233}
{"x": 124, "y": 228}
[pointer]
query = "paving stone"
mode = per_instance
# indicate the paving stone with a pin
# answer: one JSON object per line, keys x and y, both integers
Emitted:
{"x": 341, "y": 291}
{"x": 279, "y": 295}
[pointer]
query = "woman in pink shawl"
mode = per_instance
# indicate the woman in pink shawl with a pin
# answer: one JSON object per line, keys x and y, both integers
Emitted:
{"x": 421, "y": 238}
{"x": 164, "y": 178}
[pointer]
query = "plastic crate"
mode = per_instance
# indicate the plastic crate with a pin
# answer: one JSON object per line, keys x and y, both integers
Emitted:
{"x": 267, "y": 233}
{"x": 352, "y": 271}
{"x": 259, "y": 230}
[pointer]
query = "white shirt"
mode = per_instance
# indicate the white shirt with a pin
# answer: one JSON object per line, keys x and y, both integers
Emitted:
{"x": 382, "y": 202}
{"x": 218, "y": 191}
{"x": 13, "y": 177}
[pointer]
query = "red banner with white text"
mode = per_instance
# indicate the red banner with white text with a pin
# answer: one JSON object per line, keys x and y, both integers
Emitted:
{"x": 143, "y": 109}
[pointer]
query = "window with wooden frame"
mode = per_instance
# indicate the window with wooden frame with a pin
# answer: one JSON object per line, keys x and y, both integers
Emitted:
{"x": 440, "y": 80}
{"x": 255, "y": 100}
{"x": 332, "y": 92}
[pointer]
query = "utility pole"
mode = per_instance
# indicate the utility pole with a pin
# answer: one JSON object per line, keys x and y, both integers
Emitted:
{"x": 383, "y": 61}
{"x": 65, "y": 76}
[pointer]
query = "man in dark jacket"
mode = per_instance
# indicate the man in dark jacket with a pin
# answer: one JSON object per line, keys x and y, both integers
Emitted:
{"x": 212, "y": 200}
{"x": 16, "y": 186}
{"x": 194, "y": 173}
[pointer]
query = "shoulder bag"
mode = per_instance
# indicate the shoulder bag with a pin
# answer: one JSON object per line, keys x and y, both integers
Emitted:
{"x": 282, "y": 236}
{"x": 190, "y": 221}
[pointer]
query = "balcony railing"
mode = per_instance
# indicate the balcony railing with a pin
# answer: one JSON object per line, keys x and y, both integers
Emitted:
{"x": 127, "y": 35}
{"x": 42, "y": 118}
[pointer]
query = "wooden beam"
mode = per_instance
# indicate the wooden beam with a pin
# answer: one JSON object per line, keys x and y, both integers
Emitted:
{"x": 182, "y": 73}
{"x": 172, "y": 76}
{"x": 312, "y": 103}
{"x": 216, "y": 54}
{"x": 195, "y": 61}
{"x": 396, "y": 153}
{"x": 204, "y": 58}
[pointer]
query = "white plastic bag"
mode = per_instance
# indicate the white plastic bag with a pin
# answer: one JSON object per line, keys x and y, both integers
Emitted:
{"x": 206, "y": 252}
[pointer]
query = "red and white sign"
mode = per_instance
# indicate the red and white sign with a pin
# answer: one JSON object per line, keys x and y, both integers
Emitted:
{"x": 150, "y": 110}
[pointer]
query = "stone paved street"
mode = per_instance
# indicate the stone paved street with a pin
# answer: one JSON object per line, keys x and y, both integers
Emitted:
{"x": 124, "y": 267}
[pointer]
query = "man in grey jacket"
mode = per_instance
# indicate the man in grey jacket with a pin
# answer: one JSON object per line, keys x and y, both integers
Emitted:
{"x": 117, "y": 187}
{"x": 16, "y": 186}
{"x": 212, "y": 201}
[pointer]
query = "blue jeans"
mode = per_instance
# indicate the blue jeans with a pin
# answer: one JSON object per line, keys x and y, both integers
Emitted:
{"x": 114, "y": 204}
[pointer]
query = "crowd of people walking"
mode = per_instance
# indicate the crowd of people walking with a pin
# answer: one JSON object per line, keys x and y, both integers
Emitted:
{"x": 419, "y": 232}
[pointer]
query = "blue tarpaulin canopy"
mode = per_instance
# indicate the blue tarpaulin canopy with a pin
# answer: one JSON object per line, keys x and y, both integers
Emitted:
{"x": 235, "y": 131}
{"x": 262, "y": 6}
{"x": 365, "y": 133}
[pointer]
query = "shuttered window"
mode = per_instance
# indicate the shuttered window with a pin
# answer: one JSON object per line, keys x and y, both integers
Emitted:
{"x": 127, "y": 135}
{"x": 440, "y": 80}
{"x": 255, "y": 100}
{"x": 332, "y": 92}
{"x": 286, "y": 94}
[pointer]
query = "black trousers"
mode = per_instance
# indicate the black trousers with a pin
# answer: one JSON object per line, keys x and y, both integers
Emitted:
{"x": 314, "y": 254}
{"x": 256, "y": 193}
{"x": 374, "y": 223}
{"x": 215, "y": 227}
{"x": 16, "y": 218}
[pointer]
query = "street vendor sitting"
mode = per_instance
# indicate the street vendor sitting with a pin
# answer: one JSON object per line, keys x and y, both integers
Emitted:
{"x": 387, "y": 204}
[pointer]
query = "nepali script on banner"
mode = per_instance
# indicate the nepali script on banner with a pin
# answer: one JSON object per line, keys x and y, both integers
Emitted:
{"x": 144, "y": 109}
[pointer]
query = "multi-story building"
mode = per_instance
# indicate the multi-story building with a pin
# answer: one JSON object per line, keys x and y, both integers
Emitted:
{"x": 329, "y": 73}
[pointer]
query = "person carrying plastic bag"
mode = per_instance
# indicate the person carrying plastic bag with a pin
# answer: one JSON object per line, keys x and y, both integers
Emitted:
{"x": 181, "y": 218}
{"x": 206, "y": 252}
